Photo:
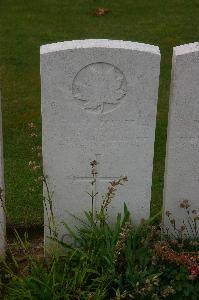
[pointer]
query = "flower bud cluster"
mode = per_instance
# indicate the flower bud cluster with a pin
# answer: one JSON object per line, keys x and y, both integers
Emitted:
{"x": 188, "y": 260}
{"x": 121, "y": 242}
{"x": 34, "y": 166}
{"x": 111, "y": 191}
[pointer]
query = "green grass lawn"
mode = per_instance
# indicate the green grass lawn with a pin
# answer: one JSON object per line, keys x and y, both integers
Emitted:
{"x": 27, "y": 24}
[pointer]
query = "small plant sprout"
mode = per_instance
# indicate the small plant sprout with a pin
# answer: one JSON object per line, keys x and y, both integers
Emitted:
{"x": 36, "y": 168}
{"x": 93, "y": 193}
{"x": 109, "y": 195}
{"x": 190, "y": 225}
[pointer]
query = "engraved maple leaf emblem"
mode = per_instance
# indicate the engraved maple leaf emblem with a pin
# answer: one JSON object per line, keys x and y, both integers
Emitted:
{"x": 99, "y": 87}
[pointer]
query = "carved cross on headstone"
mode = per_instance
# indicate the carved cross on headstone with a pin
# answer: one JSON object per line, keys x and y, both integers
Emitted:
{"x": 94, "y": 180}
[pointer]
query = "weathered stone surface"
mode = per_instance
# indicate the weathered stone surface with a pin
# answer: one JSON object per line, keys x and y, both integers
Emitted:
{"x": 182, "y": 161}
{"x": 99, "y": 100}
{"x": 2, "y": 215}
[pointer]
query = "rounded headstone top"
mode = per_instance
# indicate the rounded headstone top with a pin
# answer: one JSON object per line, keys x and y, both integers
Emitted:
{"x": 185, "y": 49}
{"x": 98, "y": 43}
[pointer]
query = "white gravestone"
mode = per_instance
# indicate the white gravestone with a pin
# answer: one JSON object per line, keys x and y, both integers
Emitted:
{"x": 2, "y": 214}
{"x": 182, "y": 159}
{"x": 99, "y": 100}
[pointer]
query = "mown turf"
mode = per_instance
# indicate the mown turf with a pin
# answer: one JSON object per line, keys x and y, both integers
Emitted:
{"x": 25, "y": 25}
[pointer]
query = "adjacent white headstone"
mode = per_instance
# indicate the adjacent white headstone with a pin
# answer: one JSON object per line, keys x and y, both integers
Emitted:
{"x": 182, "y": 160}
{"x": 99, "y": 100}
{"x": 2, "y": 214}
